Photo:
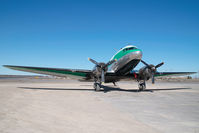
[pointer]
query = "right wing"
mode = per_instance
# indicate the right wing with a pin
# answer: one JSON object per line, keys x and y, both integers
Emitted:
{"x": 59, "y": 72}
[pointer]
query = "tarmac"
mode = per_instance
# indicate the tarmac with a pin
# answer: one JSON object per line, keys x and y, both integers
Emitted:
{"x": 67, "y": 106}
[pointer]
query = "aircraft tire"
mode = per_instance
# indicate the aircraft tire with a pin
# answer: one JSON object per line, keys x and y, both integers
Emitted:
{"x": 142, "y": 87}
{"x": 97, "y": 86}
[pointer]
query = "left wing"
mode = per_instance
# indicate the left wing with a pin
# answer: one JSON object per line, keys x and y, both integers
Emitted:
{"x": 59, "y": 72}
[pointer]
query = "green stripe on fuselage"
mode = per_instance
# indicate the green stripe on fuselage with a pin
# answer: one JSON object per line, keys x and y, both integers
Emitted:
{"x": 122, "y": 53}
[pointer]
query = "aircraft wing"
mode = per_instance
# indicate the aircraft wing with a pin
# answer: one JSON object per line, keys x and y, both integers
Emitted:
{"x": 86, "y": 75}
{"x": 59, "y": 72}
{"x": 158, "y": 74}
{"x": 135, "y": 74}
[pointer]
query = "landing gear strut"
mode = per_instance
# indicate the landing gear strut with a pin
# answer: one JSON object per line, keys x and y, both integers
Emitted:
{"x": 114, "y": 84}
{"x": 97, "y": 84}
{"x": 141, "y": 85}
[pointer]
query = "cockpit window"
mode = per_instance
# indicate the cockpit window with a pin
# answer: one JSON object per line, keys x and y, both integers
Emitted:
{"x": 131, "y": 48}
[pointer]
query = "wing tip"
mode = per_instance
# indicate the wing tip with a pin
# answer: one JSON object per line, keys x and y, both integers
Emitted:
{"x": 11, "y": 66}
{"x": 6, "y": 65}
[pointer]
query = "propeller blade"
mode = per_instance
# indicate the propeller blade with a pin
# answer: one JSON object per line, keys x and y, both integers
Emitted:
{"x": 159, "y": 65}
{"x": 102, "y": 76}
{"x": 145, "y": 63}
{"x": 110, "y": 62}
{"x": 93, "y": 61}
{"x": 153, "y": 79}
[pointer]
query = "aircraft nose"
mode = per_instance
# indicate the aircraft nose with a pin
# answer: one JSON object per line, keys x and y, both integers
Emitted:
{"x": 138, "y": 54}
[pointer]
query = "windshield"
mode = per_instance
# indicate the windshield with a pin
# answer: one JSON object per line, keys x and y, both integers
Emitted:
{"x": 131, "y": 48}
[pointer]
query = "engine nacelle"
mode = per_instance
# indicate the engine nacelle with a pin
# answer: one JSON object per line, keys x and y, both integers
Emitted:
{"x": 97, "y": 69}
{"x": 145, "y": 73}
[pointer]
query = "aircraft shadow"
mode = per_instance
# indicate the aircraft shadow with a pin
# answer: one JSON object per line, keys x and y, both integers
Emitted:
{"x": 60, "y": 89}
{"x": 106, "y": 89}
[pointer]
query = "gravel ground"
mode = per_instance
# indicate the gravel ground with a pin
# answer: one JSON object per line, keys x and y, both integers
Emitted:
{"x": 56, "y": 105}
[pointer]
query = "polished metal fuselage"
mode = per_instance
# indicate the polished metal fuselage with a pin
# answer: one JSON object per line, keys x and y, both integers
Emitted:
{"x": 124, "y": 61}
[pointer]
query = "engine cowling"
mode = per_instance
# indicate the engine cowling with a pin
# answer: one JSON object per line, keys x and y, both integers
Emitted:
{"x": 145, "y": 73}
{"x": 148, "y": 71}
{"x": 100, "y": 69}
{"x": 97, "y": 70}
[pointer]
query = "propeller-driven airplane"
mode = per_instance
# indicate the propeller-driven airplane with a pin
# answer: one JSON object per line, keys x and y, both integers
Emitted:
{"x": 120, "y": 67}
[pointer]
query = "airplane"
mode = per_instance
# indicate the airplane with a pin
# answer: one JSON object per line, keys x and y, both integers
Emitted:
{"x": 120, "y": 67}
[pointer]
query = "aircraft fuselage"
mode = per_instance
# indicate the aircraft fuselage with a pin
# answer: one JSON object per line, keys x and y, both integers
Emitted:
{"x": 127, "y": 59}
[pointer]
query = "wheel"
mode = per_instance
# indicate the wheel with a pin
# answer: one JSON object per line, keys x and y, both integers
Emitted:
{"x": 142, "y": 86}
{"x": 97, "y": 86}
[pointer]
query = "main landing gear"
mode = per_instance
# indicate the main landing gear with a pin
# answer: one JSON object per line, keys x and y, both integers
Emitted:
{"x": 97, "y": 86}
{"x": 141, "y": 85}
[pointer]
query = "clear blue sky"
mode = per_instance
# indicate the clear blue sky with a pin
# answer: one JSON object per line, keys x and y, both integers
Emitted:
{"x": 65, "y": 33}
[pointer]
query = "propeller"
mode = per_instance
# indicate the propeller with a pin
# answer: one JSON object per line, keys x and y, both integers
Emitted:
{"x": 102, "y": 66}
{"x": 93, "y": 61}
{"x": 153, "y": 69}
